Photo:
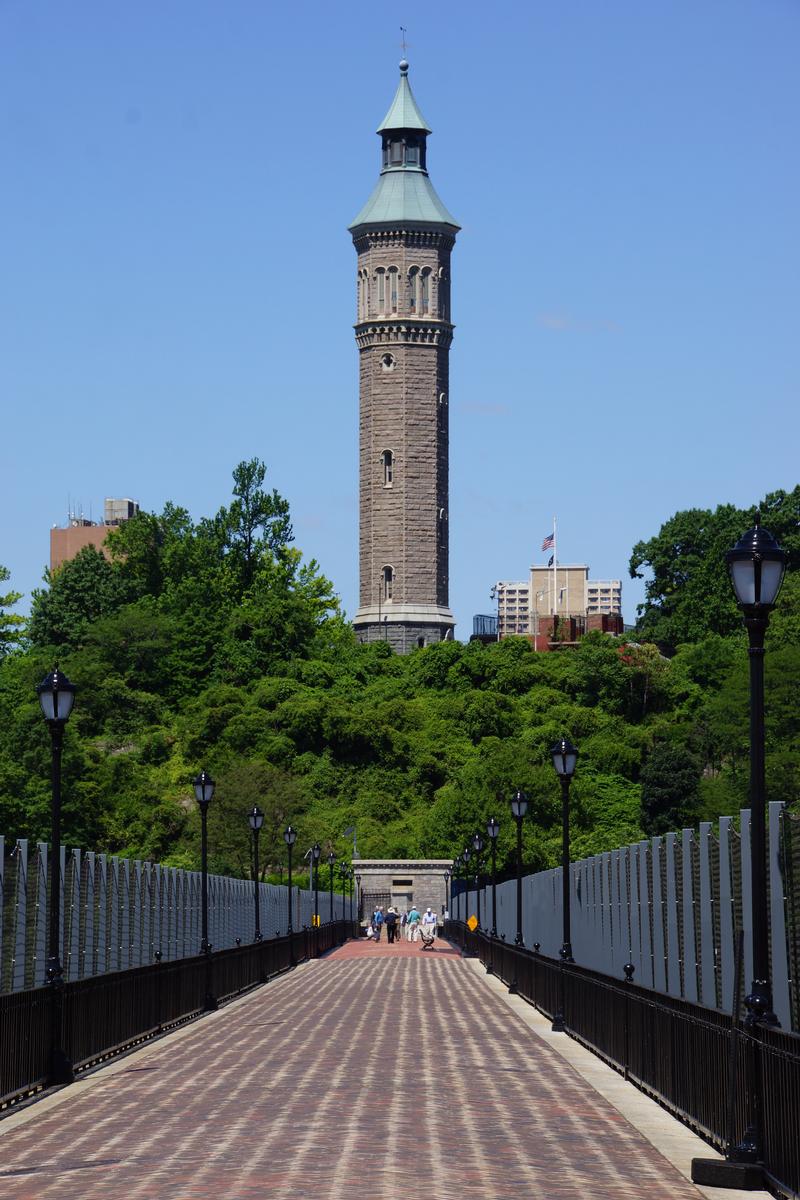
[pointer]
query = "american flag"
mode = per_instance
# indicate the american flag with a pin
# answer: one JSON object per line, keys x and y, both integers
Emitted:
{"x": 548, "y": 541}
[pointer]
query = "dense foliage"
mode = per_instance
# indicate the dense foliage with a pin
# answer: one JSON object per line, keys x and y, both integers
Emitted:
{"x": 213, "y": 644}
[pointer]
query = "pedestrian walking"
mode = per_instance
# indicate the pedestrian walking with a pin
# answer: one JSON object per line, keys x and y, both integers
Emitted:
{"x": 429, "y": 923}
{"x": 412, "y": 924}
{"x": 391, "y": 925}
{"x": 377, "y": 922}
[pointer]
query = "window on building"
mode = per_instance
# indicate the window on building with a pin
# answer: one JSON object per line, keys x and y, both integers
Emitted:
{"x": 381, "y": 290}
{"x": 388, "y": 582}
{"x": 396, "y": 153}
{"x": 425, "y": 291}
{"x": 413, "y": 281}
{"x": 387, "y": 461}
{"x": 412, "y": 152}
{"x": 393, "y": 288}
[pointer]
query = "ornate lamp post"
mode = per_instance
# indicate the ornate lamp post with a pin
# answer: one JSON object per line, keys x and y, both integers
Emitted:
{"x": 256, "y": 820}
{"x": 316, "y": 851}
{"x": 519, "y": 807}
{"x": 565, "y": 756}
{"x": 331, "y": 861}
{"x": 358, "y": 885}
{"x": 493, "y": 830}
{"x": 56, "y": 697}
{"x": 289, "y": 837}
{"x": 477, "y": 846}
{"x": 446, "y": 878}
{"x": 756, "y": 565}
{"x": 204, "y": 791}
{"x": 466, "y": 855}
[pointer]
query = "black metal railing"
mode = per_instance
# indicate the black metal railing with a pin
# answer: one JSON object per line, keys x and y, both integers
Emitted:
{"x": 678, "y": 1053}
{"x": 106, "y": 1014}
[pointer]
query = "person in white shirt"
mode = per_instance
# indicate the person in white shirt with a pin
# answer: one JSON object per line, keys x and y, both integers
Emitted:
{"x": 429, "y": 923}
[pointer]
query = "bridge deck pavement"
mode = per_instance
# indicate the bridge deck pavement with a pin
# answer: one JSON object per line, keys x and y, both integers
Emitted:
{"x": 376, "y": 1072}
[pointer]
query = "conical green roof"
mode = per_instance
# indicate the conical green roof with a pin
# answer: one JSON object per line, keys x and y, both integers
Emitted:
{"x": 403, "y": 112}
{"x": 403, "y": 196}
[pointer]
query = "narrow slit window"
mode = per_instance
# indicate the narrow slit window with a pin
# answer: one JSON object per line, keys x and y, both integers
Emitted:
{"x": 393, "y": 288}
{"x": 425, "y": 287}
{"x": 388, "y": 581}
{"x": 387, "y": 460}
{"x": 412, "y": 289}
{"x": 381, "y": 291}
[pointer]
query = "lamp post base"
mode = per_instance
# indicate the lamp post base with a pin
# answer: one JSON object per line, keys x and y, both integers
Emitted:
{"x": 722, "y": 1173}
{"x": 61, "y": 1070}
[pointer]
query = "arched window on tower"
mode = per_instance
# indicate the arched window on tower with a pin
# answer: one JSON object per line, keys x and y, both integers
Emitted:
{"x": 381, "y": 291}
{"x": 413, "y": 287}
{"x": 363, "y": 307}
{"x": 387, "y": 462}
{"x": 388, "y": 582}
{"x": 425, "y": 292}
{"x": 393, "y": 273}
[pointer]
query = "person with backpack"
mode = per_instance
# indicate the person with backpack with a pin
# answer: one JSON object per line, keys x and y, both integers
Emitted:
{"x": 377, "y": 922}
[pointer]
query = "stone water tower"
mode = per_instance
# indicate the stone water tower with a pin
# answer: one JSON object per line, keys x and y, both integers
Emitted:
{"x": 403, "y": 237}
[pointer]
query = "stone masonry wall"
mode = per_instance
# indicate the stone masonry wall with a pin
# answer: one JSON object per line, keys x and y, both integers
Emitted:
{"x": 404, "y": 409}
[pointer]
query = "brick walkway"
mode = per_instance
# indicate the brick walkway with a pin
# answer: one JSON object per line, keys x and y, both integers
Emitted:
{"x": 378, "y": 1072}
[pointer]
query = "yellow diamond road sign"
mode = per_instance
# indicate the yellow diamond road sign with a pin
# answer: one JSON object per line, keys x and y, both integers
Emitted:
{"x": 473, "y": 923}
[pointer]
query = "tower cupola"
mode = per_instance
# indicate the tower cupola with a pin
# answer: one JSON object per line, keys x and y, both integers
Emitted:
{"x": 404, "y": 192}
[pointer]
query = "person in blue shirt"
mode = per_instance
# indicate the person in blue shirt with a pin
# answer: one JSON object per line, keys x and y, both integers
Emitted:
{"x": 377, "y": 923}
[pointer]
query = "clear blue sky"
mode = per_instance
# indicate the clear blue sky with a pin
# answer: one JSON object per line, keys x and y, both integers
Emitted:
{"x": 177, "y": 284}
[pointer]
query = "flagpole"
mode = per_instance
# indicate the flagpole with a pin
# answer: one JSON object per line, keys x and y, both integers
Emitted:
{"x": 555, "y": 570}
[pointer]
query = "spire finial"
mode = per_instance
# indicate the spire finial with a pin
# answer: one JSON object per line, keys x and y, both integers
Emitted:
{"x": 403, "y": 47}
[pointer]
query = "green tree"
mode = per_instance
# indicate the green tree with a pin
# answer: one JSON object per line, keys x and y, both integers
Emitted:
{"x": 688, "y": 595}
{"x": 670, "y": 780}
{"x": 78, "y": 593}
{"x": 254, "y": 526}
{"x": 11, "y": 624}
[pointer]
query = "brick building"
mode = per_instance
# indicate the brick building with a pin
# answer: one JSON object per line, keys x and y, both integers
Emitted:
{"x": 78, "y": 533}
{"x": 403, "y": 237}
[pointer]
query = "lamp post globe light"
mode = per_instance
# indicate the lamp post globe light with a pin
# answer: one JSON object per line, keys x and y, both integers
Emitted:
{"x": 316, "y": 851}
{"x": 331, "y": 861}
{"x": 204, "y": 791}
{"x": 493, "y": 830}
{"x": 756, "y": 565}
{"x": 477, "y": 846}
{"x": 255, "y": 819}
{"x": 519, "y": 808}
{"x": 56, "y": 698}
